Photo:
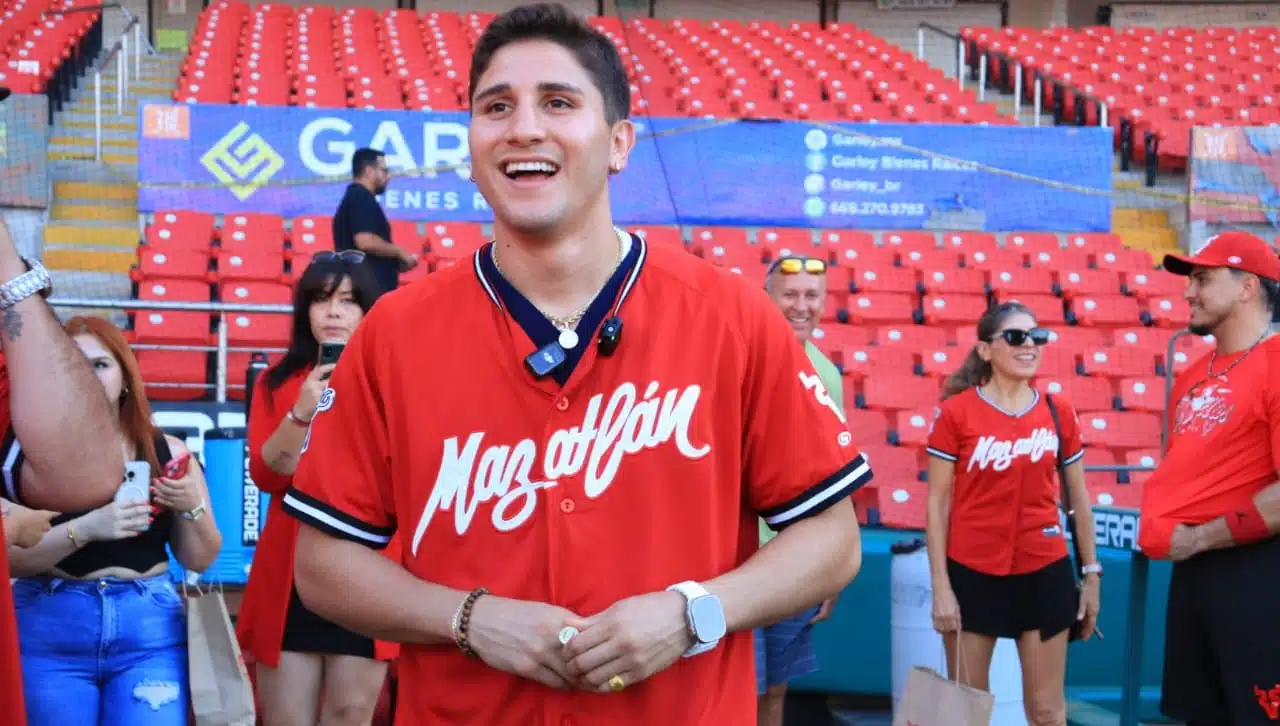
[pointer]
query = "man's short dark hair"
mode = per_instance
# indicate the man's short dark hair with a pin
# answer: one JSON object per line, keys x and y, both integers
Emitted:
{"x": 364, "y": 159}
{"x": 552, "y": 22}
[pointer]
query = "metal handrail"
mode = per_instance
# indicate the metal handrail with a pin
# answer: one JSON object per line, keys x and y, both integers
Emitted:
{"x": 1103, "y": 110}
{"x": 119, "y": 52}
{"x": 953, "y": 37}
{"x": 221, "y": 309}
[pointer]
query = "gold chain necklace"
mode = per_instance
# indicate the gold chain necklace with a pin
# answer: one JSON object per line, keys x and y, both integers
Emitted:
{"x": 571, "y": 321}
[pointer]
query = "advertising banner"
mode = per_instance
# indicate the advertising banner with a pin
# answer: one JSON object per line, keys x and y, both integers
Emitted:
{"x": 1233, "y": 177}
{"x": 294, "y": 161}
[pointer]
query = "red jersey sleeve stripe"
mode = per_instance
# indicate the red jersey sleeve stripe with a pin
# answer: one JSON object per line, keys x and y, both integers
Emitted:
{"x": 330, "y": 520}
{"x": 817, "y": 498}
{"x": 943, "y": 455}
{"x": 1073, "y": 458}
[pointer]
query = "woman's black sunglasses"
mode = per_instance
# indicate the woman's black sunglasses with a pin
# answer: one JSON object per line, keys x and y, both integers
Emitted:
{"x": 1017, "y": 338}
{"x": 352, "y": 256}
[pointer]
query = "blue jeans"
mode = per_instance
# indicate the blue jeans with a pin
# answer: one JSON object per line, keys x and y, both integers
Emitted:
{"x": 105, "y": 652}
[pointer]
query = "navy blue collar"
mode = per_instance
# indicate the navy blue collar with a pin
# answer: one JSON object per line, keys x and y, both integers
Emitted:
{"x": 607, "y": 303}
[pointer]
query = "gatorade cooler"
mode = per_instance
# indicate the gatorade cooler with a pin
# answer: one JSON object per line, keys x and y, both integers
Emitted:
{"x": 238, "y": 507}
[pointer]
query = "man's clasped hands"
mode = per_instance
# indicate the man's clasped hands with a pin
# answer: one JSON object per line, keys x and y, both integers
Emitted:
{"x": 633, "y": 639}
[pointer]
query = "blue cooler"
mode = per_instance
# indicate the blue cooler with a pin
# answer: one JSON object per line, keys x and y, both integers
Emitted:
{"x": 239, "y": 508}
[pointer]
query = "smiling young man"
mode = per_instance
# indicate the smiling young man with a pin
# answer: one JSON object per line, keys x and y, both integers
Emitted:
{"x": 1213, "y": 504}
{"x": 578, "y": 497}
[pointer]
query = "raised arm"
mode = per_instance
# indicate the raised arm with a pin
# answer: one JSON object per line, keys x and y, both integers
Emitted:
{"x": 58, "y": 409}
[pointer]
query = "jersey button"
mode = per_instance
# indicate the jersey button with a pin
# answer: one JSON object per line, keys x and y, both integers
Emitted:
{"x": 567, "y": 506}
{"x": 562, "y": 404}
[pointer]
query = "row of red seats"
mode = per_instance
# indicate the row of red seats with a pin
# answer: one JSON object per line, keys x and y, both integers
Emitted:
{"x": 315, "y": 56}
{"x": 1162, "y": 82}
{"x": 37, "y": 37}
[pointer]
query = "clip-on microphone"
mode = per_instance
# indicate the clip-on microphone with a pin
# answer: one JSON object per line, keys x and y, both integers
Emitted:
{"x": 610, "y": 336}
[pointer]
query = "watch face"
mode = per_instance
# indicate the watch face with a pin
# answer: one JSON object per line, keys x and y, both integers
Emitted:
{"x": 707, "y": 617}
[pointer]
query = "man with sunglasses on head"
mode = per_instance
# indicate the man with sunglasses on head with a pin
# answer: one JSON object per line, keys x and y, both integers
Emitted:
{"x": 1213, "y": 504}
{"x": 361, "y": 225}
{"x": 784, "y": 650}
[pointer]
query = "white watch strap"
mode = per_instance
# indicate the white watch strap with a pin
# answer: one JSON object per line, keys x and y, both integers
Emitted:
{"x": 1090, "y": 569}
{"x": 690, "y": 590}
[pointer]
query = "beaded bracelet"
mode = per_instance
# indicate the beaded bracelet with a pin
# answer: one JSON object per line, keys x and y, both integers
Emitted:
{"x": 462, "y": 622}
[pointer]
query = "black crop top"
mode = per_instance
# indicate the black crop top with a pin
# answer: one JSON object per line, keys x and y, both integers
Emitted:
{"x": 139, "y": 553}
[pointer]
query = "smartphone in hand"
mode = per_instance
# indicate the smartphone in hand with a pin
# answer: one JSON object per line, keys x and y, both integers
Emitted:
{"x": 330, "y": 352}
{"x": 136, "y": 486}
{"x": 177, "y": 466}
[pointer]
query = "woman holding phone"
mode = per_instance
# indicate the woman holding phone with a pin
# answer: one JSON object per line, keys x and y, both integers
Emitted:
{"x": 102, "y": 630}
{"x": 298, "y": 654}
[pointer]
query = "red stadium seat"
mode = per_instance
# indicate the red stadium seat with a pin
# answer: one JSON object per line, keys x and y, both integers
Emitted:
{"x": 901, "y": 503}
{"x": 966, "y": 281}
{"x": 1105, "y": 311}
{"x": 1003, "y": 258}
{"x": 658, "y": 235}
{"x": 1118, "y": 362}
{"x": 1029, "y": 243}
{"x": 1120, "y": 430}
{"x": 173, "y": 290}
{"x": 914, "y": 337}
{"x": 893, "y": 464}
{"x": 1085, "y": 394}
{"x": 171, "y": 327}
{"x": 941, "y": 362}
{"x": 171, "y": 264}
{"x": 783, "y": 242}
{"x": 1013, "y": 282}
{"x": 407, "y": 236}
{"x": 912, "y": 427}
{"x": 885, "y": 280}
{"x": 868, "y": 427}
{"x": 174, "y": 375}
{"x": 249, "y": 264}
{"x": 953, "y": 309}
{"x": 860, "y": 362}
{"x": 1147, "y": 284}
{"x": 872, "y": 308}
{"x": 1169, "y": 311}
{"x": 1142, "y": 394}
{"x": 1058, "y": 360}
{"x": 899, "y": 393}
{"x": 180, "y": 229}
{"x": 1078, "y": 282}
{"x": 311, "y": 234}
{"x": 1047, "y": 309}
{"x": 251, "y": 231}
{"x": 840, "y": 245}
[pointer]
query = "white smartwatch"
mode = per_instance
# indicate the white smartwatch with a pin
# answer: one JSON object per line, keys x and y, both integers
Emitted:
{"x": 1091, "y": 569}
{"x": 705, "y": 615}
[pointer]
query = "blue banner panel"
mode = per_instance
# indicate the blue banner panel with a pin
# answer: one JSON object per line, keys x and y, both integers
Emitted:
{"x": 295, "y": 161}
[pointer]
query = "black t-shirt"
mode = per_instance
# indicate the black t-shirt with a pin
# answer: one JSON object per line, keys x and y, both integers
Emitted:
{"x": 359, "y": 212}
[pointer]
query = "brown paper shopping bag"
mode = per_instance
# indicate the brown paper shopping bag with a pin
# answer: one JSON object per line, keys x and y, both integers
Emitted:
{"x": 931, "y": 700}
{"x": 221, "y": 692}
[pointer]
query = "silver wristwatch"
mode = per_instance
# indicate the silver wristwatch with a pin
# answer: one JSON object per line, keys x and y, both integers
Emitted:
{"x": 36, "y": 280}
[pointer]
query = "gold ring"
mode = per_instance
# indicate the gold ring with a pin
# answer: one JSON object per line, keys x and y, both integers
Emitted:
{"x": 617, "y": 684}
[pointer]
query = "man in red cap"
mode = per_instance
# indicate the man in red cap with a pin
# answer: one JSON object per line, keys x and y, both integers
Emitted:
{"x": 1213, "y": 505}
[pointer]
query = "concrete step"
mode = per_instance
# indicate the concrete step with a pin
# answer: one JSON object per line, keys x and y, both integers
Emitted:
{"x": 113, "y": 139}
{"x": 70, "y": 191}
{"x": 102, "y": 234}
{"x": 71, "y": 153}
{"x": 95, "y": 172}
{"x": 100, "y": 285}
{"x": 92, "y": 212}
{"x": 89, "y": 259}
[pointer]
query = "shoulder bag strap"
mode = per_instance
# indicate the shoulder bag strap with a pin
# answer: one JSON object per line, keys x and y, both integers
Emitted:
{"x": 1064, "y": 492}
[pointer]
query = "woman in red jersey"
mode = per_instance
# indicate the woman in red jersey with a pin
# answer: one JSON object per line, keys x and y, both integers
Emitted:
{"x": 996, "y": 545}
{"x": 300, "y": 655}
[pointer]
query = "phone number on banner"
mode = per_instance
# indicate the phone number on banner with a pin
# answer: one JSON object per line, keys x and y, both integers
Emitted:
{"x": 891, "y": 209}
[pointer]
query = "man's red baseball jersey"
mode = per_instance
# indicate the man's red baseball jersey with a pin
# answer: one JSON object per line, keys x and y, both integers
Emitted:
{"x": 649, "y": 467}
{"x": 1004, "y": 504}
{"x": 12, "y": 708}
{"x": 1224, "y": 444}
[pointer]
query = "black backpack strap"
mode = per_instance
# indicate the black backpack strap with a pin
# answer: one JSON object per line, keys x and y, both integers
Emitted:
{"x": 1064, "y": 492}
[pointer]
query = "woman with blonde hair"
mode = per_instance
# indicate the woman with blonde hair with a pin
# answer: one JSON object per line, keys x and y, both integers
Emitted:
{"x": 101, "y": 628}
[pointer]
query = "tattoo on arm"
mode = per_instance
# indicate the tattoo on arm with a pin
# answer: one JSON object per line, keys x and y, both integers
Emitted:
{"x": 11, "y": 323}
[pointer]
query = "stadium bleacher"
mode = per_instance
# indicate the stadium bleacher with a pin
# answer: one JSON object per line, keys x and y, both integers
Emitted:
{"x": 901, "y": 305}
{"x": 1153, "y": 82}
{"x": 319, "y": 56}
{"x": 38, "y": 38}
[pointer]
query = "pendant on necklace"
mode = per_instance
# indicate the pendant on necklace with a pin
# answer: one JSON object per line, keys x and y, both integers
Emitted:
{"x": 568, "y": 339}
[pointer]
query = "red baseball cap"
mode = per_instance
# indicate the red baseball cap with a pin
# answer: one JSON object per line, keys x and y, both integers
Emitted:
{"x": 1236, "y": 250}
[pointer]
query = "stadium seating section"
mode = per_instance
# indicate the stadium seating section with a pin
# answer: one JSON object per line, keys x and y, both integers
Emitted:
{"x": 37, "y": 37}
{"x": 1162, "y": 82}
{"x": 319, "y": 56}
{"x": 900, "y": 316}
